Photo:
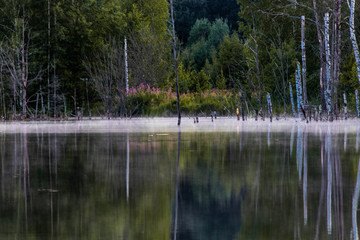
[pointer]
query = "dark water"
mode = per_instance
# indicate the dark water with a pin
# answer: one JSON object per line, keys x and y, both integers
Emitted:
{"x": 233, "y": 185}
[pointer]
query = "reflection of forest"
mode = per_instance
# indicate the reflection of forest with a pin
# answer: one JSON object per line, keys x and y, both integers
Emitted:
{"x": 231, "y": 185}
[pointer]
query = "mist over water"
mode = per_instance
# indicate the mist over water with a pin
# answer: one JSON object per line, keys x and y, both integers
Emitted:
{"x": 149, "y": 179}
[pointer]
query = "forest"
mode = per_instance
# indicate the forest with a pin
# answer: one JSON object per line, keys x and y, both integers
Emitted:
{"x": 61, "y": 58}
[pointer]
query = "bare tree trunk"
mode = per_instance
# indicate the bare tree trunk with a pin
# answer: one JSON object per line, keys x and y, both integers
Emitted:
{"x": 269, "y": 105}
{"x": 37, "y": 104}
{"x": 23, "y": 70}
{"x": 299, "y": 99}
{"x": 175, "y": 61}
{"x": 321, "y": 51}
{"x": 54, "y": 67}
{"x": 48, "y": 62}
{"x": 357, "y": 103}
{"x": 42, "y": 102}
{"x": 126, "y": 67}
{"x": 336, "y": 53}
{"x": 292, "y": 100}
{"x": 328, "y": 69}
{"x": 303, "y": 53}
{"x": 87, "y": 97}
{"x": 259, "y": 78}
{"x": 353, "y": 37}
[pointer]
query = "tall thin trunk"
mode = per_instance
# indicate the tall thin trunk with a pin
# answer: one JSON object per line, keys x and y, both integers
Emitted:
{"x": 321, "y": 51}
{"x": 292, "y": 100}
{"x": 303, "y": 53}
{"x": 54, "y": 67}
{"x": 353, "y": 37}
{"x": 259, "y": 78}
{"x": 305, "y": 179}
{"x": 48, "y": 62}
{"x": 126, "y": 67}
{"x": 328, "y": 69}
{"x": 300, "y": 103}
{"x": 337, "y": 51}
{"x": 175, "y": 61}
{"x": 357, "y": 103}
{"x": 269, "y": 105}
{"x": 127, "y": 166}
{"x": 23, "y": 70}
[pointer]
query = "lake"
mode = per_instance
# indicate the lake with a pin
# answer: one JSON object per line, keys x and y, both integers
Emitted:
{"x": 149, "y": 179}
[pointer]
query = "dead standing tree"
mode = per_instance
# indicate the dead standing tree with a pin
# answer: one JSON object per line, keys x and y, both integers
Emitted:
{"x": 15, "y": 59}
{"x": 175, "y": 61}
{"x": 255, "y": 60}
{"x": 147, "y": 57}
{"x": 105, "y": 70}
{"x": 353, "y": 36}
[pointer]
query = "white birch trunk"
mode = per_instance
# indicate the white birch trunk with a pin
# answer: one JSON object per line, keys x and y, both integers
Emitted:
{"x": 292, "y": 100}
{"x": 126, "y": 67}
{"x": 303, "y": 53}
{"x": 357, "y": 103}
{"x": 353, "y": 37}
{"x": 328, "y": 68}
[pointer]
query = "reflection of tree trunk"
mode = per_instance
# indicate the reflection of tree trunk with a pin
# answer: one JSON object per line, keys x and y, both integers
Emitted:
{"x": 338, "y": 194}
{"x": 3, "y": 140}
{"x": 258, "y": 180}
{"x": 322, "y": 191}
{"x": 50, "y": 186}
{"x": 292, "y": 139}
{"x": 177, "y": 186}
{"x": 305, "y": 179}
{"x": 175, "y": 61}
{"x": 355, "y": 202}
{"x": 299, "y": 151}
{"x": 357, "y": 138}
{"x": 127, "y": 165}
{"x": 329, "y": 181}
{"x": 26, "y": 181}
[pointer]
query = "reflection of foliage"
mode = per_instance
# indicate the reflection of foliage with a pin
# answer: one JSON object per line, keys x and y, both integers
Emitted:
{"x": 232, "y": 185}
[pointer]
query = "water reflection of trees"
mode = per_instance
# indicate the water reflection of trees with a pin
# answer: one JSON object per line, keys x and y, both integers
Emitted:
{"x": 230, "y": 185}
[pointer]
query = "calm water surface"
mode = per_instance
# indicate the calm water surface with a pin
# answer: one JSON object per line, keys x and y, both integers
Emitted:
{"x": 146, "y": 180}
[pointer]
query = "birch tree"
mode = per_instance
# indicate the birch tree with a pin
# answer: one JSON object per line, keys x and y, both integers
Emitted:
{"x": 328, "y": 97}
{"x": 303, "y": 56}
{"x": 353, "y": 36}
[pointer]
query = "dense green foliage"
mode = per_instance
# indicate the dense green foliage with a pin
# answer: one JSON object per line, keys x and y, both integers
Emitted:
{"x": 60, "y": 56}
